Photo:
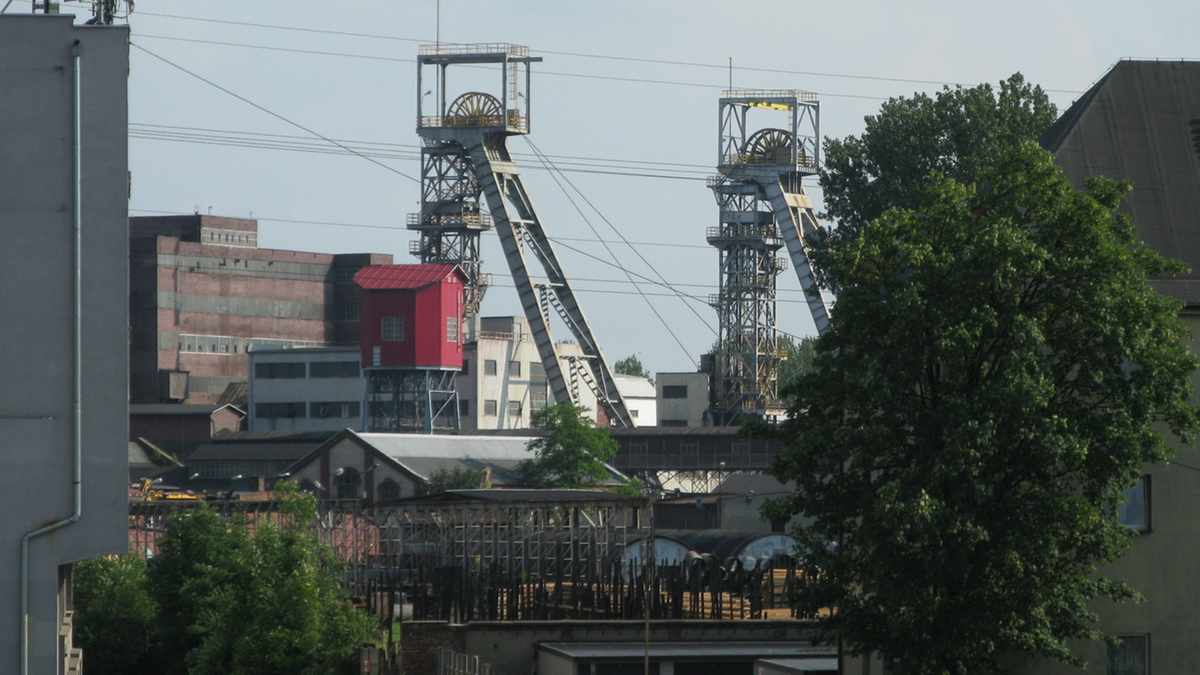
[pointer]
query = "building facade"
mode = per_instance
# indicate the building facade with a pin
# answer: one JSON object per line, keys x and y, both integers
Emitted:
{"x": 682, "y": 399}
{"x": 202, "y": 294}
{"x": 63, "y": 348}
{"x": 306, "y": 389}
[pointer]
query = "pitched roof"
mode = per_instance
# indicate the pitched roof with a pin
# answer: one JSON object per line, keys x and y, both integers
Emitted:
{"x": 1141, "y": 123}
{"x": 402, "y": 276}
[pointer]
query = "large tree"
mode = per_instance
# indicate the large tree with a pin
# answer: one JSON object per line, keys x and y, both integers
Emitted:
{"x": 573, "y": 454}
{"x": 996, "y": 373}
{"x": 957, "y": 132}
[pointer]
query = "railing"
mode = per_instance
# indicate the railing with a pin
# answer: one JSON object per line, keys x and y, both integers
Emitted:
{"x": 516, "y": 121}
{"x": 453, "y": 49}
{"x": 806, "y": 161}
{"x": 742, "y": 232}
{"x": 450, "y": 662}
{"x": 806, "y": 96}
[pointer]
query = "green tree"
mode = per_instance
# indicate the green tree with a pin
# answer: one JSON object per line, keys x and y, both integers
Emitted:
{"x": 956, "y": 133}
{"x": 574, "y": 452}
{"x": 798, "y": 358}
{"x": 279, "y": 610}
{"x": 456, "y": 478}
{"x": 996, "y": 373}
{"x": 115, "y": 617}
{"x": 631, "y": 365}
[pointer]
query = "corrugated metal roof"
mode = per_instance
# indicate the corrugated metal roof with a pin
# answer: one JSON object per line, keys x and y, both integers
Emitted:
{"x": 251, "y": 451}
{"x": 1141, "y": 123}
{"x": 402, "y": 447}
{"x": 138, "y": 456}
{"x": 402, "y": 276}
{"x": 634, "y": 386}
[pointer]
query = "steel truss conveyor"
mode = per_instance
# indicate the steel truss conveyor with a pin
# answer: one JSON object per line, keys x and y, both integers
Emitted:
{"x": 474, "y": 128}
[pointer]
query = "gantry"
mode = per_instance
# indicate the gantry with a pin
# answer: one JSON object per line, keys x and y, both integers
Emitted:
{"x": 465, "y": 157}
{"x": 763, "y": 208}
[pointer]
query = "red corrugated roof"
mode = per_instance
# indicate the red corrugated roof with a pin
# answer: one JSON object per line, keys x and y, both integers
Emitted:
{"x": 402, "y": 276}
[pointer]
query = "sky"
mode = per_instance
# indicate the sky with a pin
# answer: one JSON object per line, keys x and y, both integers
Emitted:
{"x": 232, "y": 106}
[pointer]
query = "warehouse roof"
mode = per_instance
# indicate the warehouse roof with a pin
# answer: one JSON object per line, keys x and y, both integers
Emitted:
{"x": 403, "y": 276}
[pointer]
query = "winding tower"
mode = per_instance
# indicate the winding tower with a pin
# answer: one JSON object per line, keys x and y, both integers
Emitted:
{"x": 763, "y": 208}
{"x": 465, "y": 166}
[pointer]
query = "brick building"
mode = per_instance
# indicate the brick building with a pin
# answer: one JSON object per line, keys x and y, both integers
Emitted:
{"x": 202, "y": 294}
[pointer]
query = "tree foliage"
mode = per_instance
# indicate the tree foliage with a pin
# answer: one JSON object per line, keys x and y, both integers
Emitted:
{"x": 572, "y": 455}
{"x": 457, "y": 478}
{"x": 996, "y": 372}
{"x": 956, "y": 133}
{"x": 631, "y": 365}
{"x": 217, "y": 600}
{"x": 798, "y": 358}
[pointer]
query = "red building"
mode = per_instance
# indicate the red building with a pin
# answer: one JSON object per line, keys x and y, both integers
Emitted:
{"x": 412, "y": 316}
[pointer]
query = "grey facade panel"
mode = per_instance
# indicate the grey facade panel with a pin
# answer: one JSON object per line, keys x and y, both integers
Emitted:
{"x": 37, "y": 300}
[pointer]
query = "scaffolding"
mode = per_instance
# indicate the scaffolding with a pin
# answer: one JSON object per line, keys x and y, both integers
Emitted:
{"x": 763, "y": 208}
{"x": 411, "y": 400}
{"x": 465, "y": 156}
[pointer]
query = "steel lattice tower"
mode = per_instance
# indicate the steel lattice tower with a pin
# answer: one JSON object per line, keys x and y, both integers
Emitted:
{"x": 762, "y": 209}
{"x": 465, "y": 157}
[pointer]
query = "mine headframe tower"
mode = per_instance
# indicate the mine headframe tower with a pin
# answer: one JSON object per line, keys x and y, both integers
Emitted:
{"x": 763, "y": 208}
{"x": 465, "y": 157}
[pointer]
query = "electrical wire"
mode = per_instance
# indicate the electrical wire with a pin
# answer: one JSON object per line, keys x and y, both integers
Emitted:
{"x": 271, "y": 113}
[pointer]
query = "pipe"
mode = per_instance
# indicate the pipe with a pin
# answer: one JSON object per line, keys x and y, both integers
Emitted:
{"x": 76, "y": 53}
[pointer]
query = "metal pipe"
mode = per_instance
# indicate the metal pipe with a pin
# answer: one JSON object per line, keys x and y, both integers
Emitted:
{"x": 77, "y": 449}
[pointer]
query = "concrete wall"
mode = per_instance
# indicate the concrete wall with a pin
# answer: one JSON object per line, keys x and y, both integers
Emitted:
{"x": 306, "y": 390}
{"x": 512, "y": 647}
{"x": 37, "y": 298}
{"x": 691, "y": 410}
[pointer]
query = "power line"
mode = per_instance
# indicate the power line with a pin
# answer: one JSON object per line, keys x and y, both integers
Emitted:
{"x": 690, "y": 64}
{"x": 271, "y": 113}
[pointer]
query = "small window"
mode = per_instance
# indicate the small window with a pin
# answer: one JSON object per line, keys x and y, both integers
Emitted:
{"x": 675, "y": 391}
{"x": 1131, "y": 657}
{"x": 637, "y": 448}
{"x": 1135, "y": 512}
{"x": 514, "y": 408}
{"x": 451, "y": 329}
{"x": 393, "y": 329}
{"x": 689, "y": 448}
{"x": 489, "y": 367}
{"x": 633, "y": 412}
{"x": 334, "y": 369}
{"x": 490, "y": 408}
{"x": 387, "y": 491}
{"x": 346, "y": 311}
{"x": 273, "y": 371}
{"x": 347, "y": 483}
{"x": 514, "y": 368}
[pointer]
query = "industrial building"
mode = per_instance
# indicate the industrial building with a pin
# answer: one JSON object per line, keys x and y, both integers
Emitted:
{"x": 63, "y": 349}
{"x": 202, "y": 294}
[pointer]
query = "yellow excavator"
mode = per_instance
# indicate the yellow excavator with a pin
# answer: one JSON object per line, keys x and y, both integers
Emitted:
{"x": 148, "y": 493}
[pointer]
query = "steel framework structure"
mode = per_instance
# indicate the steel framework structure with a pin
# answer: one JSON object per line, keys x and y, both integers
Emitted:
{"x": 410, "y": 399}
{"x": 472, "y": 131}
{"x": 763, "y": 208}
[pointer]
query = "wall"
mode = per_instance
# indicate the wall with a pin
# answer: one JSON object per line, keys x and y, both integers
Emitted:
{"x": 692, "y": 409}
{"x": 512, "y": 647}
{"x": 306, "y": 390}
{"x": 37, "y": 298}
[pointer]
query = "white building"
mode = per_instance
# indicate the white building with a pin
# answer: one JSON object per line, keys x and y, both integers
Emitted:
{"x": 306, "y": 389}
{"x": 682, "y": 399}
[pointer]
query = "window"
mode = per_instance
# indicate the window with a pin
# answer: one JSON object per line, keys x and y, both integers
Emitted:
{"x": 346, "y": 480}
{"x": 674, "y": 391}
{"x": 1135, "y": 512}
{"x": 490, "y": 407}
{"x": 464, "y": 407}
{"x": 489, "y": 367}
{"x": 393, "y": 329}
{"x": 637, "y": 448}
{"x": 387, "y": 491}
{"x": 451, "y": 329}
{"x": 514, "y": 368}
{"x": 740, "y": 448}
{"x": 633, "y": 411}
{"x": 279, "y": 410}
{"x": 514, "y": 408}
{"x": 334, "y": 369}
{"x": 1131, "y": 657}
{"x": 689, "y": 448}
{"x": 274, "y": 371}
{"x": 334, "y": 409}
{"x": 673, "y": 423}
{"x": 346, "y": 311}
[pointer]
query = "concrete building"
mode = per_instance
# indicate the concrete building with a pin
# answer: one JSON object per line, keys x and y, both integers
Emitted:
{"x": 63, "y": 348}
{"x": 682, "y": 399}
{"x": 1141, "y": 123}
{"x": 306, "y": 389}
{"x": 202, "y": 294}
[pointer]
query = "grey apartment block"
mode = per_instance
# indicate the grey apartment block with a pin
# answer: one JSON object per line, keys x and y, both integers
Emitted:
{"x": 38, "y": 300}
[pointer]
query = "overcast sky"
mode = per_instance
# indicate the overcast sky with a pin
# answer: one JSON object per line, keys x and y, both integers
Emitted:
{"x": 625, "y": 103}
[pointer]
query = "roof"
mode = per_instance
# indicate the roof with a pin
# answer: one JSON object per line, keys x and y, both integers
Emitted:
{"x": 634, "y": 386}
{"x": 314, "y": 437}
{"x": 723, "y": 544}
{"x": 518, "y": 495}
{"x": 687, "y": 651}
{"x": 288, "y": 452}
{"x": 138, "y": 456}
{"x": 1141, "y": 123}
{"x": 423, "y": 454}
{"x": 402, "y": 276}
{"x": 171, "y": 409}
